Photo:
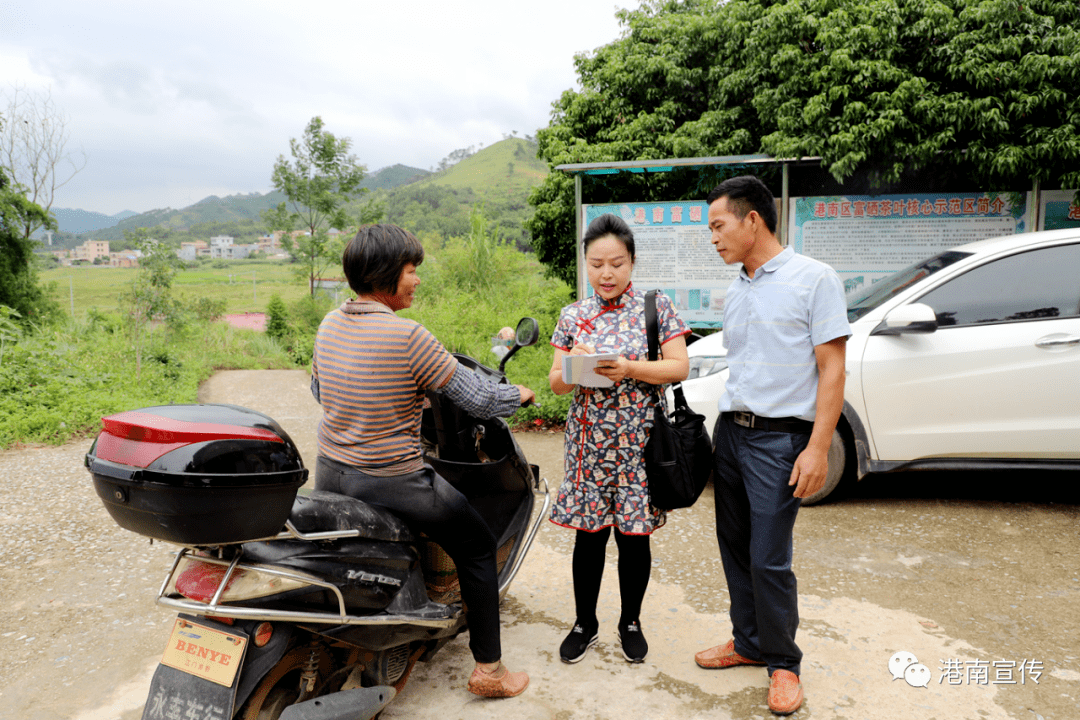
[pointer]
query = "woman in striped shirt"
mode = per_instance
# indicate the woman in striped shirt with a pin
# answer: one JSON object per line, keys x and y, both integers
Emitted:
{"x": 370, "y": 371}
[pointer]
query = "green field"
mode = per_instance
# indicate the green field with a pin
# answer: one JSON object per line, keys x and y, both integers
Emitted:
{"x": 246, "y": 286}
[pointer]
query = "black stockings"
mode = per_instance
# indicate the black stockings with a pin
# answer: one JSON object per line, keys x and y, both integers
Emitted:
{"x": 635, "y": 563}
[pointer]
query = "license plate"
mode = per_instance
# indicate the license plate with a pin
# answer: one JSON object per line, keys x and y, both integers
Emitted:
{"x": 205, "y": 652}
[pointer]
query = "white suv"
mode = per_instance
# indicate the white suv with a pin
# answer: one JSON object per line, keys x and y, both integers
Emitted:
{"x": 967, "y": 360}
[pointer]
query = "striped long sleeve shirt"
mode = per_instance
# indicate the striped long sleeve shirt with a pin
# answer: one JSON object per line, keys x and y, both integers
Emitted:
{"x": 370, "y": 371}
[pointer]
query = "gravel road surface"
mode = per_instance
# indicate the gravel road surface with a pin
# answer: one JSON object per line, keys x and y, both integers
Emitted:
{"x": 965, "y": 572}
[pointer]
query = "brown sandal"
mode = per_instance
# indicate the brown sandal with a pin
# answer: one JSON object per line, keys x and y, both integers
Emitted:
{"x": 500, "y": 683}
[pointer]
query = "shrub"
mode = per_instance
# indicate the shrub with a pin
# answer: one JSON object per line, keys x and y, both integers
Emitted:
{"x": 207, "y": 309}
{"x": 277, "y": 321}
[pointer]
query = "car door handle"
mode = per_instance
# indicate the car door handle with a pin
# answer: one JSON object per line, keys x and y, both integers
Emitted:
{"x": 1057, "y": 340}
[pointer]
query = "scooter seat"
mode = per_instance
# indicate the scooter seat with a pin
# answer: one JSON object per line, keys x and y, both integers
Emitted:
{"x": 323, "y": 511}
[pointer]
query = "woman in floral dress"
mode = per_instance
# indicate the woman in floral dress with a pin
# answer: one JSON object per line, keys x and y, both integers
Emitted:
{"x": 606, "y": 431}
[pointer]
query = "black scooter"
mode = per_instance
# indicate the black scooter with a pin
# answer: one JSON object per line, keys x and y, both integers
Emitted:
{"x": 325, "y": 619}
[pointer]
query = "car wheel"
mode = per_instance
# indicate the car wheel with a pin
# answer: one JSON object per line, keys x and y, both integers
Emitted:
{"x": 838, "y": 470}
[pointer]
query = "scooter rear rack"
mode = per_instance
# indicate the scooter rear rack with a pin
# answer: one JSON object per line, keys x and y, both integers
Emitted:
{"x": 342, "y": 617}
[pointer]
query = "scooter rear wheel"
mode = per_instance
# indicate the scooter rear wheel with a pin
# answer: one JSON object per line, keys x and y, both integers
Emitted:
{"x": 277, "y": 691}
{"x": 275, "y": 703}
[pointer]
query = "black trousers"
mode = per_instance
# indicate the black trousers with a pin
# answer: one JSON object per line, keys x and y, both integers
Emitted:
{"x": 635, "y": 565}
{"x": 430, "y": 504}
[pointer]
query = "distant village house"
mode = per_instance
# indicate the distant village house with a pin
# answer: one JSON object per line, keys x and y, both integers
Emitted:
{"x": 190, "y": 251}
{"x": 222, "y": 248}
{"x": 90, "y": 251}
{"x": 125, "y": 259}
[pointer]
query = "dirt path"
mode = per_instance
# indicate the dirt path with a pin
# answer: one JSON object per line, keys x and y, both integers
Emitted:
{"x": 970, "y": 580}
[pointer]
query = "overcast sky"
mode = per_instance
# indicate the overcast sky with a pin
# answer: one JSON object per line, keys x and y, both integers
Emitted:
{"x": 174, "y": 101}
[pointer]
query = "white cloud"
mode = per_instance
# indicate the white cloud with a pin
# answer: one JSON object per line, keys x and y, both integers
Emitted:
{"x": 173, "y": 101}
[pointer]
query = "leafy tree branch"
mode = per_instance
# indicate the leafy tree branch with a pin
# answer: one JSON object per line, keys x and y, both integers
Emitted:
{"x": 984, "y": 88}
{"x": 34, "y": 150}
{"x": 319, "y": 182}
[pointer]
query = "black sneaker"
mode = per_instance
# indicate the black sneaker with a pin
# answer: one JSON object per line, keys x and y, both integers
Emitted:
{"x": 577, "y": 643}
{"x": 634, "y": 647}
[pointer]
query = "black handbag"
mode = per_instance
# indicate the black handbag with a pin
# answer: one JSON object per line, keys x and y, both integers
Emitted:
{"x": 679, "y": 454}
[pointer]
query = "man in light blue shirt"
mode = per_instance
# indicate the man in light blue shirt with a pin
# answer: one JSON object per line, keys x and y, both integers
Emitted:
{"x": 786, "y": 329}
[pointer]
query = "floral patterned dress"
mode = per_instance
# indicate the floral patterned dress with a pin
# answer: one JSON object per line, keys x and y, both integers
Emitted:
{"x": 607, "y": 428}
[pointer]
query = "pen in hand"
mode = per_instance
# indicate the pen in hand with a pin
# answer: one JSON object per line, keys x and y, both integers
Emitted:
{"x": 580, "y": 347}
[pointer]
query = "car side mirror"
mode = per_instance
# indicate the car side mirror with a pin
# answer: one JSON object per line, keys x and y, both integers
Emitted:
{"x": 913, "y": 318}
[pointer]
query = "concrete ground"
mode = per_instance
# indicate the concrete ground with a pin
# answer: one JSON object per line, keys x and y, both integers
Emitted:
{"x": 976, "y": 576}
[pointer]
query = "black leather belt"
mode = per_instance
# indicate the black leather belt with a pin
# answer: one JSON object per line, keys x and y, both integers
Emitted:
{"x": 787, "y": 424}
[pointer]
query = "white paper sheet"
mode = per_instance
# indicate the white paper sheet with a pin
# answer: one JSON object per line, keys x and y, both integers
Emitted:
{"x": 580, "y": 370}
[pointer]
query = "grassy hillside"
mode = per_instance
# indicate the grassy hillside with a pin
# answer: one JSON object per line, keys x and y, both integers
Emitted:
{"x": 500, "y": 177}
{"x": 507, "y": 168}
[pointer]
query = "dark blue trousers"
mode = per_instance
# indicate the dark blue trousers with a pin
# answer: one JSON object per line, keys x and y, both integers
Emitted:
{"x": 755, "y": 516}
{"x": 429, "y": 503}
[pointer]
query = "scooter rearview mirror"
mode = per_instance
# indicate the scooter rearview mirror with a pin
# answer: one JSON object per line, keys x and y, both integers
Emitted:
{"x": 528, "y": 332}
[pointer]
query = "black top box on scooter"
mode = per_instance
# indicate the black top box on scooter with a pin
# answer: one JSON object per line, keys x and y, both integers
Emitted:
{"x": 196, "y": 474}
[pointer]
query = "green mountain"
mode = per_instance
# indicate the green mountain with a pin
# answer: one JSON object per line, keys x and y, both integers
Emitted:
{"x": 509, "y": 167}
{"x": 80, "y": 221}
{"x": 392, "y": 177}
{"x": 237, "y": 215}
{"x": 499, "y": 177}
{"x": 435, "y": 206}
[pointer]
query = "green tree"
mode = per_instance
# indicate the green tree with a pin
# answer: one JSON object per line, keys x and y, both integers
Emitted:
{"x": 207, "y": 309}
{"x": 149, "y": 298}
{"x": 983, "y": 89}
{"x": 319, "y": 182}
{"x": 19, "y": 288}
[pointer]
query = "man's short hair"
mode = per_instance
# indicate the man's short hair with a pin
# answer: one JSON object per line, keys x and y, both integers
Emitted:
{"x": 376, "y": 257}
{"x": 745, "y": 193}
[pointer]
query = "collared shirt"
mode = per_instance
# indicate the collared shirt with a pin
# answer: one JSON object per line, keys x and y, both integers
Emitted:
{"x": 772, "y": 322}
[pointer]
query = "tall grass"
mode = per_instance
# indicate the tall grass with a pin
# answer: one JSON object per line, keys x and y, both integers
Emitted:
{"x": 473, "y": 287}
{"x": 57, "y": 383}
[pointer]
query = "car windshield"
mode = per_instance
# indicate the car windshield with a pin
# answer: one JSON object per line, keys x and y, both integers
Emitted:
{"x": 861, "y": 303}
